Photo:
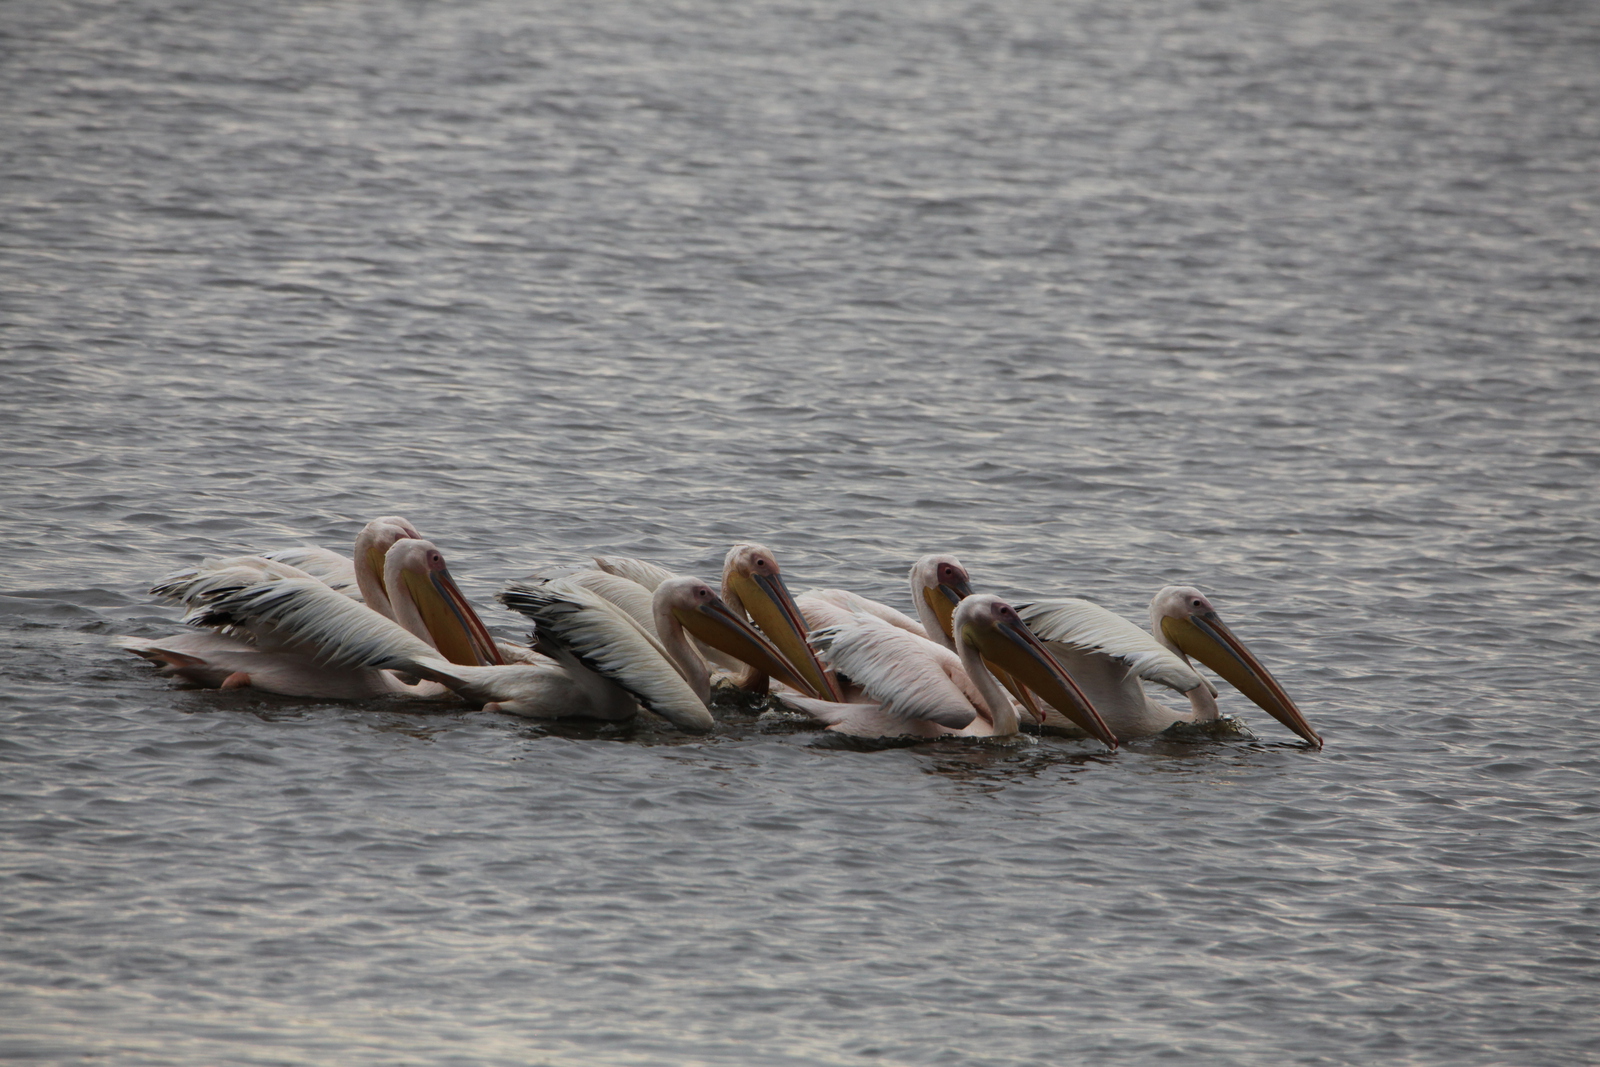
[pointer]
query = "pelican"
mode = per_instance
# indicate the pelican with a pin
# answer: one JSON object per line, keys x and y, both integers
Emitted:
{"x": 913, "y": 689}
{"x": 416, "y": 587}
{"x": 370, "y": 570}
{"x": 233, "y": 653}
{"x": 585, "y": 631}
{"x": 1109, "y": 657}
{"x": 753, "y": 588}
{"x": 938, "y": 584}
{"x": 426, "y": 601}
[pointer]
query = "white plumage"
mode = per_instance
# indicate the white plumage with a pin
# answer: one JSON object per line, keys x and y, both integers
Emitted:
{"x": 606, "y": 640}
{"x": 907, "y": 676}
{"x": 1085, "y": 627}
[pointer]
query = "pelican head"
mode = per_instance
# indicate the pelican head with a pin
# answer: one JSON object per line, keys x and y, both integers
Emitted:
{"x": 940, "y": 582}
{"x": 428, "y": 602}
{"x": 753, "y": 584}
{"x": 372, "y": 544}
{"x": 1183, "y": 619}
{"x": 991, "y": 627}
{"x": 698, "y": 609}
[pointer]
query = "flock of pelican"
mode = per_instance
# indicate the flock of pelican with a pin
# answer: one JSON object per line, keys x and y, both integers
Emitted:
{"x": 628, "y": 635}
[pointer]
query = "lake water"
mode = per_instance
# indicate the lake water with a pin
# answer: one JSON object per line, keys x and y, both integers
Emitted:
{"x": 1295, "y": 301}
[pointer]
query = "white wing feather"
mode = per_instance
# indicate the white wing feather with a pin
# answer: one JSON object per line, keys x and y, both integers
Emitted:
{"x": 322, "y": 563}
{"x": 897, "y": 669}
{"x": 341, "y": 632}
{"x": 251, "y": 595}
{"x": 610, "y": 643}
{"x": 201, "y": 587}
{"x": 633, "y": 599}
{"x": 1088, "y": 627}
{"x": 856, "y": 603}
{"x": 644, "y": 572}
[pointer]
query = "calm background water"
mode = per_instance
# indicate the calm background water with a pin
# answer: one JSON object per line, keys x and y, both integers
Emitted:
{"x": 1296, "y": 301}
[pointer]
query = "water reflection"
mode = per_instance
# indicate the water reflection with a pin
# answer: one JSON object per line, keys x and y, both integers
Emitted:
{"x": 983, "y": 765}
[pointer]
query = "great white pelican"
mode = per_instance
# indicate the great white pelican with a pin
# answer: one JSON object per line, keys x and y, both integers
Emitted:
{"x": 1110, "y": 657}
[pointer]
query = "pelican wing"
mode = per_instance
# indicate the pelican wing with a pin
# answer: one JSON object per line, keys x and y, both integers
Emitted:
{"x": 204, "y": 589}
{"x": 1088, "y": 627}
{"x": 644, "y": 572}
{"x": 896, "y": 669}
{"x": 339, "y": 572}
{"x": 217, "y": 575}
{"x": 856, "y": 603}
{"x": 347, "y": 634}
{"x": 342, "y": 632}
{"x": 632, "y": 598}
{"x": 605, "y": 640}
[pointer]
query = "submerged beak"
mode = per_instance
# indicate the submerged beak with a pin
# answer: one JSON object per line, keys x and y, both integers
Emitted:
{"x": 456, "y": 629}
{"x": 767, "y": 600}
{"x": 1019, "y": 653}
{"x": 716, "y": 624}
{"x": 1208, "y": 639}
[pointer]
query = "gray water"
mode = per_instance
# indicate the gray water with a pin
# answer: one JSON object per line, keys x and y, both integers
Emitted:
{"x": 1296, "y": 301}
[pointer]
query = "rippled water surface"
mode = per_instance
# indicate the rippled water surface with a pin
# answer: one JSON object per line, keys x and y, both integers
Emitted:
{"x": 1295, "y": 301}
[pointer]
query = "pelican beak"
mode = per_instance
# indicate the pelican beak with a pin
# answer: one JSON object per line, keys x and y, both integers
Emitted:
{"x": 1015, "y": 650}
{"x": 1208, "y": 639}
{"x": 943, "y": 598}
{"x": 716, "y": 624}
{"x": 1016, "y": 689}
{"x": 767, "y": 600}
{"x": 456, "y": 629}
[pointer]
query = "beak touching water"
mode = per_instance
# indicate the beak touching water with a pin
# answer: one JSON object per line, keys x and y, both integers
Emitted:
{"x": 1208, "y": 639}
{"x": 1014, "y": 648}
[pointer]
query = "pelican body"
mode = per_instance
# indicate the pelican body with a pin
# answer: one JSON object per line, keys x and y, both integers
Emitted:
{"x": 395, "y": 575}
{"x": 657, "y": 665}
{"x": 910, "y": 687}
